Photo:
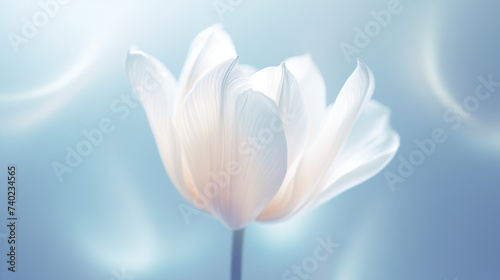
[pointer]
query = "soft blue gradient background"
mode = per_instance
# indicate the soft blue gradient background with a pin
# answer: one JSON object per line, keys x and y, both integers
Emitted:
{"x": 119, "y": 208}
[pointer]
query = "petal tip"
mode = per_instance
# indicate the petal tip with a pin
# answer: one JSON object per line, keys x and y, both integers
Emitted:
{"x": 217, "y": 29}
{"x": 283, "y": 66}
{"x": 236, "y": 60}
{"x": 366, "y": 70}
{"x": 133, "y": 51}
{"x": 133, "y": 48}
{"x": 360, "y": 63}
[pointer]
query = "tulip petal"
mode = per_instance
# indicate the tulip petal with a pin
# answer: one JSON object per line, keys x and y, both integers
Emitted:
{"x": 316, "y": 165}
{"x": 150, "y": 79}
{"x": 249, "y": 69}
{"x": 155, "y": 87}
{"x": 211, "y": 47}
{"x": 282, "y": 87}
{"x": 313, "y": 90}
{"x": 236, "y": 159}
{"x": 370, "y": 147}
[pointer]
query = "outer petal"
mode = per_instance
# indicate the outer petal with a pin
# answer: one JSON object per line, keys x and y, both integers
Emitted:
{"x": 211, "y": 47}
{"x": 282, "y": 87}
{"x": 370, "y": 147}
{"x": 313, "y": 89}
{"x": 313, "y": 170}
{"x": 155, "y": 87}
{"x": 150, "y": 79}
{"x": 236, "y": 158}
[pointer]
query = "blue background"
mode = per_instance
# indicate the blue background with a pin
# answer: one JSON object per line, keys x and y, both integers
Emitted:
{"x": 117, "y": 212}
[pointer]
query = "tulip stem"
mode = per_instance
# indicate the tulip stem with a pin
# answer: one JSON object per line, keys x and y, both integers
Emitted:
{"x": 237, "y": 253}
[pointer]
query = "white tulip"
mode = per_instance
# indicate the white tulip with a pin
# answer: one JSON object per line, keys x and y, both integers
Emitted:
{"x": 259, "y": 147}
